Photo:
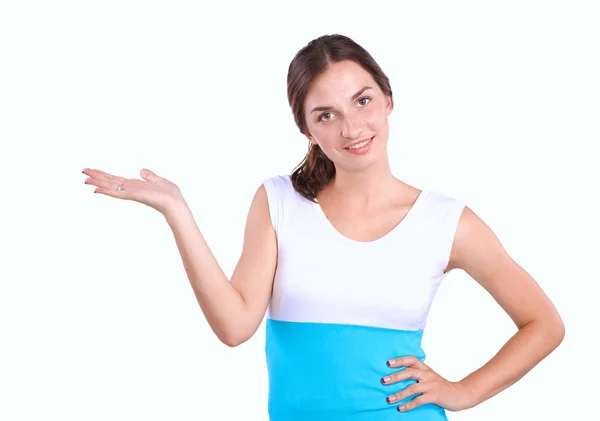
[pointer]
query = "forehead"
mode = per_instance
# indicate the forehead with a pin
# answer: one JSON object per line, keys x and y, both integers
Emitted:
{"x": 339, "y": 82}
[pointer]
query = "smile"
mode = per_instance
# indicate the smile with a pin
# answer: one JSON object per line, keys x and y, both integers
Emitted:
{"x": 360, "y": 148}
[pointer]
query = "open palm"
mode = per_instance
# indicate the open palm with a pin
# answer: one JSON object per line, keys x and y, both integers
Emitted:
{"x": 154, "y": 191}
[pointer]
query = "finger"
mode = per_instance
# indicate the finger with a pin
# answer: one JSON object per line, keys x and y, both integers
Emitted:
{"x": 416, "y": 402}
{"x": 413, "y": 389}
{"x": 408, "y": 361}
{"x": 407, "y": 373}
{"x": 148, "y": 175}
{"x": 101, "y": 175}
{"x": 120, "y": 194}
{"x": 101, "y": 183}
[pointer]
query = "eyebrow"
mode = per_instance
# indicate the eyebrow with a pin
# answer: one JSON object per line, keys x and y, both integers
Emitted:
{"x": 329, "y": 107}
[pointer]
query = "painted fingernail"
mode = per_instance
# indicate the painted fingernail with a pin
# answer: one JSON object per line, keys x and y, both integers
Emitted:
{"x": 391, "y": 398}
{"x": 401, "y": 408}
{"x": 391, "y": 362}
{"x": 386, "y": 379}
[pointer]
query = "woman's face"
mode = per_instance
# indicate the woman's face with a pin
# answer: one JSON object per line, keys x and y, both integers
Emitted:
{"x": 340, "y": 111}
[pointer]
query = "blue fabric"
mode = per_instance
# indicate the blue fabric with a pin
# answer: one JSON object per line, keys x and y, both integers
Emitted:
{"x": 331, "y": 372}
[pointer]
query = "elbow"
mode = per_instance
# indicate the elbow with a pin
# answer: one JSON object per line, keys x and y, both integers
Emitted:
{"x": 230, "y": 341}
{"x": 238, "y": 335}
{"x": 230, "y": 344}
{"x": 555, "y": 331}
{"x": 550, "y": 331}
{"x": 559, "y": 332}
{"x": 233, "y": 340}
{"x": 558, "y": 329}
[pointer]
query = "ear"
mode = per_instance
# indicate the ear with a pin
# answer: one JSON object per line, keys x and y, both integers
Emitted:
{"x": 390, "y": 105}
{"x": 310, "y": 139}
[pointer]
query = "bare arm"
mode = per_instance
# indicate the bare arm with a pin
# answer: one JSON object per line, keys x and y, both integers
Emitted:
{"x": 234, "y": 309}
{"x": 478, "y": 252}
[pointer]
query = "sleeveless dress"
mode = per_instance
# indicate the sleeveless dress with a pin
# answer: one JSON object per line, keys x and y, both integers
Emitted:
{"x": 340, "y": 309}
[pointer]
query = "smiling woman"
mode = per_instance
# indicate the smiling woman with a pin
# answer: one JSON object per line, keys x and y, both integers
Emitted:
{"x": 332, "y": 323}
{"x": 346, "y": 260}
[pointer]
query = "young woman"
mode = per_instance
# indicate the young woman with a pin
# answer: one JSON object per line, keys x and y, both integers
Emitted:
{"x": 346, "y": 259}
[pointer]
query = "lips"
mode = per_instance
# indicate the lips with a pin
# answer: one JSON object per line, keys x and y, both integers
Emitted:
{"x": 358, "y": 141}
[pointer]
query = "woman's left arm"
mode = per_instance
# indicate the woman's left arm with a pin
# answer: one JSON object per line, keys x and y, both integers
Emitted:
{"x": 477, "y": 251}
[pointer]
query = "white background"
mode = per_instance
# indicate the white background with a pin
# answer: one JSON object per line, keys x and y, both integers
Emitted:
{"x": 495, "y": 103}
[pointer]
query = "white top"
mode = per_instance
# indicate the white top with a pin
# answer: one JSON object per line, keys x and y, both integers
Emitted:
{"x": 323, "y": 276}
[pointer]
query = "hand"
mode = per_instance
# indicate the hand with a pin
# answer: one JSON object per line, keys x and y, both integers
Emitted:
{"x": 433, "y": 388}
{"x": 156, "y": 192}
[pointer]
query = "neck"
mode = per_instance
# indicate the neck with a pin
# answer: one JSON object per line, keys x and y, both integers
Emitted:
{"x": 368, "y": 187}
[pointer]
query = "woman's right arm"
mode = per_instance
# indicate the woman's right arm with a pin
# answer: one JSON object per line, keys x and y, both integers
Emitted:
{"x": 234, "y": 309}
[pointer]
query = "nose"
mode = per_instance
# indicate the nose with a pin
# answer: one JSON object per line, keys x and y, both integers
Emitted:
{"x": 351, "y": 128}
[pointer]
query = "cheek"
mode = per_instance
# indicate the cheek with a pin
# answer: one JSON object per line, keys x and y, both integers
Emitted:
{"x": 376, "y": 115}
{"x": 326, "y": 132}
{"x": 320, "y": 132}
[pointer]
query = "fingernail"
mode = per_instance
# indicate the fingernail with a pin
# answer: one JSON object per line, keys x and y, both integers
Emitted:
{"x": 391, "y": 398}
{"x": 386, "y": 379}
{"x": 391, "y": 362}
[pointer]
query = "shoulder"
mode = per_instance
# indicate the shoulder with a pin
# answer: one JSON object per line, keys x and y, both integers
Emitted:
{"x": 280, "y": 197}
{"x": 442, "y": 208}
{"x": 279, "y": 181}
{"x": 476, "y": 249}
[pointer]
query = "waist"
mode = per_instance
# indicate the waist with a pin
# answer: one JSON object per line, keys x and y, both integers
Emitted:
{"x": 326, "y": 371}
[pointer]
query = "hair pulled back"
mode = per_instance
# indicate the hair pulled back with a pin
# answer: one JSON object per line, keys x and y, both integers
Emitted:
{"x": 316, "y": 169}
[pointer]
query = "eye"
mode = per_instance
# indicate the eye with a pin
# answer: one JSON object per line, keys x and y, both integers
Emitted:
{"x": 364, "y": 98}
{"x": 321, "y": 117}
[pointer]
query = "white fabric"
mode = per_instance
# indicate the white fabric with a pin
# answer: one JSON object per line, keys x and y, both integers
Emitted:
{"x": 323, "y": 276}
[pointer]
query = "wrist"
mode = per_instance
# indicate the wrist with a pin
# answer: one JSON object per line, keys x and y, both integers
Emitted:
{"x": 177, "y": 210}
{"x": 469, "y": 391}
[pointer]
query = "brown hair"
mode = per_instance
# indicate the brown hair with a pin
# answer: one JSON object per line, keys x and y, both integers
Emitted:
{"x": 315, "y": 170}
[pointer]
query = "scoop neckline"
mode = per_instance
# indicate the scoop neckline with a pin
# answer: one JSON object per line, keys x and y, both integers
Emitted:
{"x": 404, "y": 221}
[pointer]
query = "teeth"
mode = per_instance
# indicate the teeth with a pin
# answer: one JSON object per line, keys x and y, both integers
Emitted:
{"x": 360, "y": 145}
